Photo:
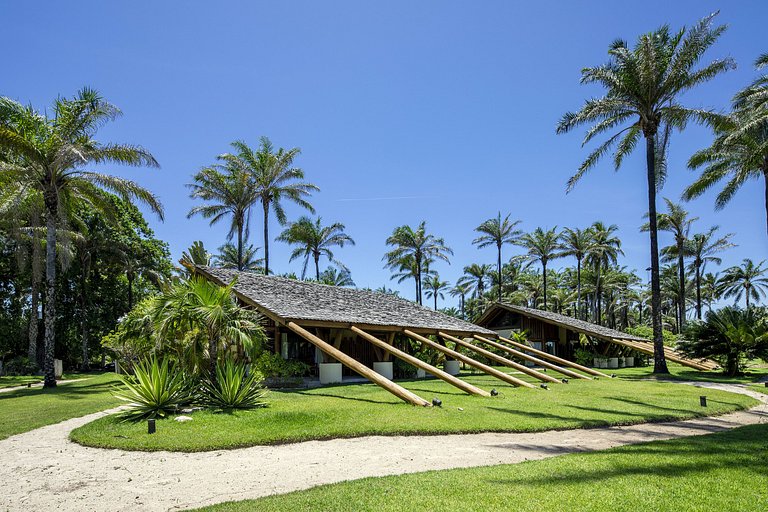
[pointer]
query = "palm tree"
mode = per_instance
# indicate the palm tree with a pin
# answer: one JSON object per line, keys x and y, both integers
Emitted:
{"x": 52, "y": 155}
{"x": 196, "y": 255}
{"x": 315, "y": 240}
{"x": 739, "y": 152}
{"x": 229, "y": 190}
{"x": 461, "y": 289}
{"x": 643, "y": 85}
{"x": 417, "y": 247}
{"x": 746, "y": 279}
{"x": 577, "y": 243}
{"x": 476, "y": 276}
{"x": 275, "y": 178}
{"x": 542, "y": 246}
{"x": 435, "y": 288}
{"x": 603, "y": 252}
{"x": 676, "y": 221}
{"x": 497, "y": 232}
{"x": 244, "y": 259}
{"x": 702, "y": 248}
{"x": 335, "y": 277}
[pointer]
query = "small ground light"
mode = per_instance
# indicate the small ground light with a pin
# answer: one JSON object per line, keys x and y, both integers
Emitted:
{"x": 766, "y": 384}
{"x": 494, "y": 392}
{"x": 151, "y": 426}
{"x": 703, "y": 401}
{"x": 613, "y": 375}
{"x": 544, "y": 386}
{"x": 565, "y": 381}
{"x": 437, "y": 402}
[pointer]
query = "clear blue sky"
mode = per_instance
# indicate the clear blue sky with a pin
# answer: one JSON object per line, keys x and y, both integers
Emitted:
{"x": 405, "y": 111}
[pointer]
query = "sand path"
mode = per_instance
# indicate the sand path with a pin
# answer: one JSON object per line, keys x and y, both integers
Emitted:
{"x": 42, "y": 469}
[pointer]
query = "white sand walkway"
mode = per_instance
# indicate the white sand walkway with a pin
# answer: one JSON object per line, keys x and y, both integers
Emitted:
{"x": 42, "y": 470}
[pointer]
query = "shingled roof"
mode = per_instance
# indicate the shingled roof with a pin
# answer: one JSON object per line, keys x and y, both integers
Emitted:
{"x": 285, "y": 300}
{"x": 573, "y": 324}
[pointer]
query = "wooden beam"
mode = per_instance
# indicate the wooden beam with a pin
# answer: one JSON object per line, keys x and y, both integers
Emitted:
{"x": 358, "y": 367}
{"x": 650, "y": 351}
{"x": 547, "y": 355}
{"x": 535, "y": 360}
{"x": 502, "y": 360}
{"x": 471, "y": 362}
{"x": 710, "y": 365}
{"x": 440, "y": 374}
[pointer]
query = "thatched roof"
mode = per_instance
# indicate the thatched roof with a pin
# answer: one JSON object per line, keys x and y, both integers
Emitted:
{"x": 568, "y": 322}
{"x": 307, "y": 304}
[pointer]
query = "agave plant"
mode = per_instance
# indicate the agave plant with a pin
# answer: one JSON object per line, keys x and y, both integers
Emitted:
{"x": 156, "y": 389}
{"x": 233, "y": 388}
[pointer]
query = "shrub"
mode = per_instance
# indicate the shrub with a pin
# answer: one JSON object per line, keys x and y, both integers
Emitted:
{"x": 21, "y": 365}
{"x": 583, "y": 357}
{"x": 155, "y": 390}
{"x": 403, "y": 370}
{"x": 271, "y": 365}
{"x": 233, "y": 388}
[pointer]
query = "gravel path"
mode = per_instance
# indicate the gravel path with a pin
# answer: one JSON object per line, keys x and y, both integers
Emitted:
{"x": 42, "y": 469}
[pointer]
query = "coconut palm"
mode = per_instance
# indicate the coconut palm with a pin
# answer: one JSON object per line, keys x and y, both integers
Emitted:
{"x": 196, "y": 255}
{"x": 643, "y": 85}
{"x": 577, "y": 243}
{"x": 244, "y": 259}
{"x": 496, "y": 232}
{"x": 476, "y": 276}
{"x": 415, "y": 247}
{"x": 315, "y": 240}
{"x": 702, "y": 248}
{"x": 275, "y": 179}
{"x": 54, "y": 155}
{"x": 229, "y": 190}
{"x": 435, "y": 288}
{"x": 603, "y": 252}
{"x": 542, "y": 246}
{"x": 739, "y": 152}
{"x": 461, "y": 290}
{"x": 746, "y": 279}
{"x": 336, "y": 277}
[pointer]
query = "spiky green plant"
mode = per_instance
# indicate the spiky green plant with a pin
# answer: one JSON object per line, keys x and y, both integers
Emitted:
{"x": 234, "y": 388}
{"x": 155, "y": 390}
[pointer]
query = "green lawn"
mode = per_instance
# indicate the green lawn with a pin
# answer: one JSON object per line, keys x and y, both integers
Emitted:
{"x": 365, "y": 409}
{"x": 27, "y": 409}
{"x": 724, "y": 471}
{"x": 677, "y": 372}
{"x": 10, "y": 381}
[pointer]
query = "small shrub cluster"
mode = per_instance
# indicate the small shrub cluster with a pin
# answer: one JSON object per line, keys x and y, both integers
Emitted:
{"x": 20, "y": 365}
{"x": 272, "y": 366}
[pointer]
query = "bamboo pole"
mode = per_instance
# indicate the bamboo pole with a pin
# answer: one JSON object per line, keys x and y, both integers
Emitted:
{"x": 647, "y": 350}
{"x": 440, "y": 374}
{"x": 535, "y": 360}
{"x": 709, "y": 364}
{"x": 358, "y": 367}
{"x": 471, "y": 362}
{"x": 502, "y": 360}
{"x": 546, "y": 355}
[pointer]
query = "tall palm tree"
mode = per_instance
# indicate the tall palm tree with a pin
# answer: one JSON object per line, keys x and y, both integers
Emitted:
{"x": 577, "y": 243}
{"x": 476, "y": 276}
{"x": 746, "y": 279}
{"x": 435, "y": 288}
{"x": 643, "y": 85}
{"x": 739, "y": 152}
{"x": 676, "y": 221}
{"x": 228, "y": 190}
{"x": 542, "y": 246}
{"x": 244, "y": 259}
{"x": 497, "y": 232}
{"x": 53, "y": 154}
{"x": 418, "y": 246}
{"x": 603, "y": 252}
{"x": 703, "y": 249}
{"x": 315, "y": 240}
{"x": 460, "y": 290}
{"x": 275, "y": 178}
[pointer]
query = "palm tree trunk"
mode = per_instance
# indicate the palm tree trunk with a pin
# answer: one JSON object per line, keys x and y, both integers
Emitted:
{"x": 240, "y": 245}
{"x": 578, "y": 289}
{"x": 33, "y": 321}
{"x": 765, "y": 176}
{"x": 501, "y": 278}
{"x": 50, "y": 292}
{"x": 746, "y": 295}
{"x": 681, "y": 273}
{"x": 659, "y": 361}
{"x": 544, "y": 267}
{"x": 462, "y": 305}
{"x": 265, "y": 204}
{"x": 84, "y": 317}
{"x": 435, "y": 300}
{"x": 598, "y": 296}
{"x": 418, "y": 280}
{"x": 317, "y": 266}
{"x": 698, "y": 291}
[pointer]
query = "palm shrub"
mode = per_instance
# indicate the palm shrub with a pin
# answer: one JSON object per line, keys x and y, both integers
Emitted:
{"x": 156, "y": 389}
{"x": 233, "y": 388}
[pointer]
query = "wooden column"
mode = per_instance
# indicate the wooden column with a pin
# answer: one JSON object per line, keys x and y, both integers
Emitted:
{"x": 649, "y": 350}
{"x": 440, "y": 374}
{"x": 471, "y": 362}
{"x": 547, "y": 355}
{"x": 502, "y": 360}
{"x": 358, "y": 367}
{"x": 535, "y": 360}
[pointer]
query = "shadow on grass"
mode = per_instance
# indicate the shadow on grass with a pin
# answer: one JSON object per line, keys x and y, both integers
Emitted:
{"x": 312, "y": 393}
{"x": 62, "y": 391}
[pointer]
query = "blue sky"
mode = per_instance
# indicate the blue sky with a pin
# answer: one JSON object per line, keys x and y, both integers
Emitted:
{"x": 405, "y": 111}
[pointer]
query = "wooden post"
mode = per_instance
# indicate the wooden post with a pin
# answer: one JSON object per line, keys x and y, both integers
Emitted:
{"x": 709, "y": 365}
{"x": 358, "y": 367}
{"x": 672, "y": 357}
{"x": 535, "y": 360}
{"x": 471, "y": 362}
{"x": 503, "y": 360}
{"x": 440, "y": 374}
{"x": 547, "y": 355}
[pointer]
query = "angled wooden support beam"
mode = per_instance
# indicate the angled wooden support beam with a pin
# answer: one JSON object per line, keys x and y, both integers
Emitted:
{"x": 501, "y": 360}
{"x": 649, "y": 350}
{"x": 418, "y": 363}
{"x": 547, "y": 355}
{"x": 358, "y": 367}
{"x": 469, "y": 361}
{"x": 710, "y": 365}
{"x": 535, "y": 360}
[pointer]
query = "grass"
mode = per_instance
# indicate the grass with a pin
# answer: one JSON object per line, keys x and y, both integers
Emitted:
{"x": 681, "y": 373}
{"x": 27, "y": 409}
{"x": 10, "y": 381}
{"x": 365, "y": 409}
{"x": 724, "y": 471}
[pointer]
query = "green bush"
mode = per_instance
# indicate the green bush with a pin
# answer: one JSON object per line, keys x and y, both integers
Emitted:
{"x": 155, "y": 390}
{"x": 233, "y": 388}
{"x": 271, "y": 365}
{"x": 21, "y": 365}
{"x": 403, "y": 370}
{"x": 645, "y": 331}
{"x": 583, "y": 357}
